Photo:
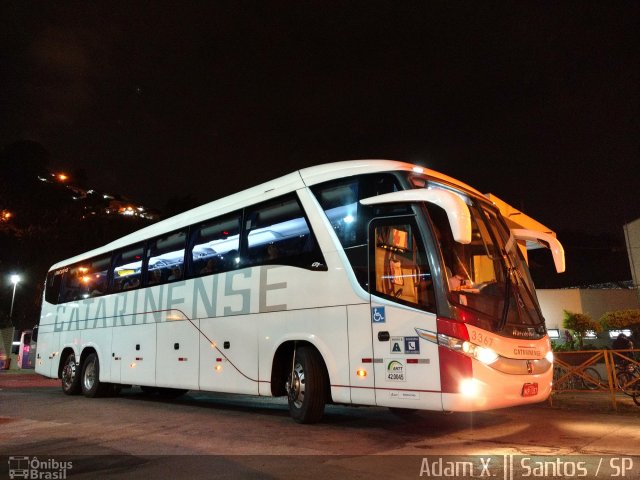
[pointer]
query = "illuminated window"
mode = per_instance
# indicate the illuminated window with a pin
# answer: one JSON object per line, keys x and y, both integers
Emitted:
{"x": 128, "y": 268}
{"x": 216, "y": 246}
{"x": 278, "y": 234}
{"x": 400, "y": 267}
{"x": 80, "y": 281}
{"x": 615, "y": 333}
{"x": 166, "y": 258}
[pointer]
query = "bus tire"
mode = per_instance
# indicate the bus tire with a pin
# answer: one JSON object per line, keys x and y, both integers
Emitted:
{"x": 71, "y": 375}
{"x": 90, "y": 380}
{"x": 307, "y": 390}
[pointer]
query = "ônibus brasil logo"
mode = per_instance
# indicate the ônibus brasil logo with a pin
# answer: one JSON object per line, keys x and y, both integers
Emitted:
{"x": 34, "y": 468}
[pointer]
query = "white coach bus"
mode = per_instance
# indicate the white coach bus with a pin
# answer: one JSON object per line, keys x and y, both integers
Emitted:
{"x": 366, "y": 282}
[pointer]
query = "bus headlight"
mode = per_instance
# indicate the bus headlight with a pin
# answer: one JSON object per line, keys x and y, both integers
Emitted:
{"x": 483, "y": 354}
{"x": 549, "y": 356}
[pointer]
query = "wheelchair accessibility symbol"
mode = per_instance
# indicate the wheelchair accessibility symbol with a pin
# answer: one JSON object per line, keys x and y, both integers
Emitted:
{"x": 377, "y": 315}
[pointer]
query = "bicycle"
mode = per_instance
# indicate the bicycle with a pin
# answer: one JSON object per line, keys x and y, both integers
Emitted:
{"x": 589, "y": 380}
{"x": 628, "y": 378}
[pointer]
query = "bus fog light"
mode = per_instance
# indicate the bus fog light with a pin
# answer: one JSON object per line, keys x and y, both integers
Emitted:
{"x": 469, "y": 387}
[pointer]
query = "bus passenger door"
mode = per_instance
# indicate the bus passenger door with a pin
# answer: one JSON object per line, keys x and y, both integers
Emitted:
{"x": 406, "y": 366}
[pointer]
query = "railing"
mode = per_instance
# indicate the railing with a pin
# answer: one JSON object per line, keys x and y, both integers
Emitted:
{"x": 609, "y": 371}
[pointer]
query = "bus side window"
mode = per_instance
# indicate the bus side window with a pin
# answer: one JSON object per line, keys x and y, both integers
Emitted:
{"x": 127, "y": 268}
{"x": 95, "y": 279}
{"x": 52, "y": 287}
{"x": 278, "y": 234}
{"x": 166, "y": 258}
{"x": 215, "y": 246}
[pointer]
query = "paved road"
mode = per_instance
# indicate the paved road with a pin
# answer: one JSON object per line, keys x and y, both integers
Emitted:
{"x": 134, "y": 436}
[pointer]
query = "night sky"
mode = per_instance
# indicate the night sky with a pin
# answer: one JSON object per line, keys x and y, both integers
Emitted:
{"x": 536, "y": 102}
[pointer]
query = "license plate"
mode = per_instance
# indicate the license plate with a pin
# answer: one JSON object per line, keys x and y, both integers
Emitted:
{"x": 529, "y": 389}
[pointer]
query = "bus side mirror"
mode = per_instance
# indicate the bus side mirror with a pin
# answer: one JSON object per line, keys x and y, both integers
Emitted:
{"x": 546, "y": 240}
{"x": 457, "y": 210}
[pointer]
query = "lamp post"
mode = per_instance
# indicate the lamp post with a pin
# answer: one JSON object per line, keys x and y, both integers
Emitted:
{"x": 14, "y": 279}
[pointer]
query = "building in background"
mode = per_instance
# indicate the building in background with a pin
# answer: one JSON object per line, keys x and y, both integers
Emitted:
{"x": 632, "y": 239}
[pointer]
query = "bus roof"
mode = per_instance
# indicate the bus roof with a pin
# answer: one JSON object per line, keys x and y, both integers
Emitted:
{"x": 273, "y": 188}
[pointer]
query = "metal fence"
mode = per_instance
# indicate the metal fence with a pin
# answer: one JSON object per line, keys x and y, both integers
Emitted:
{"x": 609, "y": 371}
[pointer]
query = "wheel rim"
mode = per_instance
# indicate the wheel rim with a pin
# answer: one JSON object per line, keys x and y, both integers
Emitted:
{"x": 89, "y": 376}
{"x": 69, "y": 372}
{"x": 297, "y": 387}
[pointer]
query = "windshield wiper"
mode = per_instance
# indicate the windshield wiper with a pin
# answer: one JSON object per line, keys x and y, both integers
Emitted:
{"x": 507, "y": 298}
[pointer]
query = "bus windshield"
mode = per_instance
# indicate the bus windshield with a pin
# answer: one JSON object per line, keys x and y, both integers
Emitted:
{"x": 489, "y": 275}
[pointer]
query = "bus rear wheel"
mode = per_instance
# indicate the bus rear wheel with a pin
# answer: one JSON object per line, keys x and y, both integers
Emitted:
{"x": 71, "y": 376}
{"x": 91, "y": 385}
{"x": 307, "y": 386}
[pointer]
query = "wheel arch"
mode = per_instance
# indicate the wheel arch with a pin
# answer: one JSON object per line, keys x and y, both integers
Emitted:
{"x": 282, "y": 362}
{"x": 66, "y": 351}
{"x": 86, "y": 351}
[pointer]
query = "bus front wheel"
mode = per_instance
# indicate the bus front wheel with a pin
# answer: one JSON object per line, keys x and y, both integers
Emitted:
{"x": 71, "y": 375}
{"x": 91, "y": 385}
{"x": 307, "y": 386}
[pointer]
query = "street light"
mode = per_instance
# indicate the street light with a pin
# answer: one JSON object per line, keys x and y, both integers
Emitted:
{"x": 14, "y": 279}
